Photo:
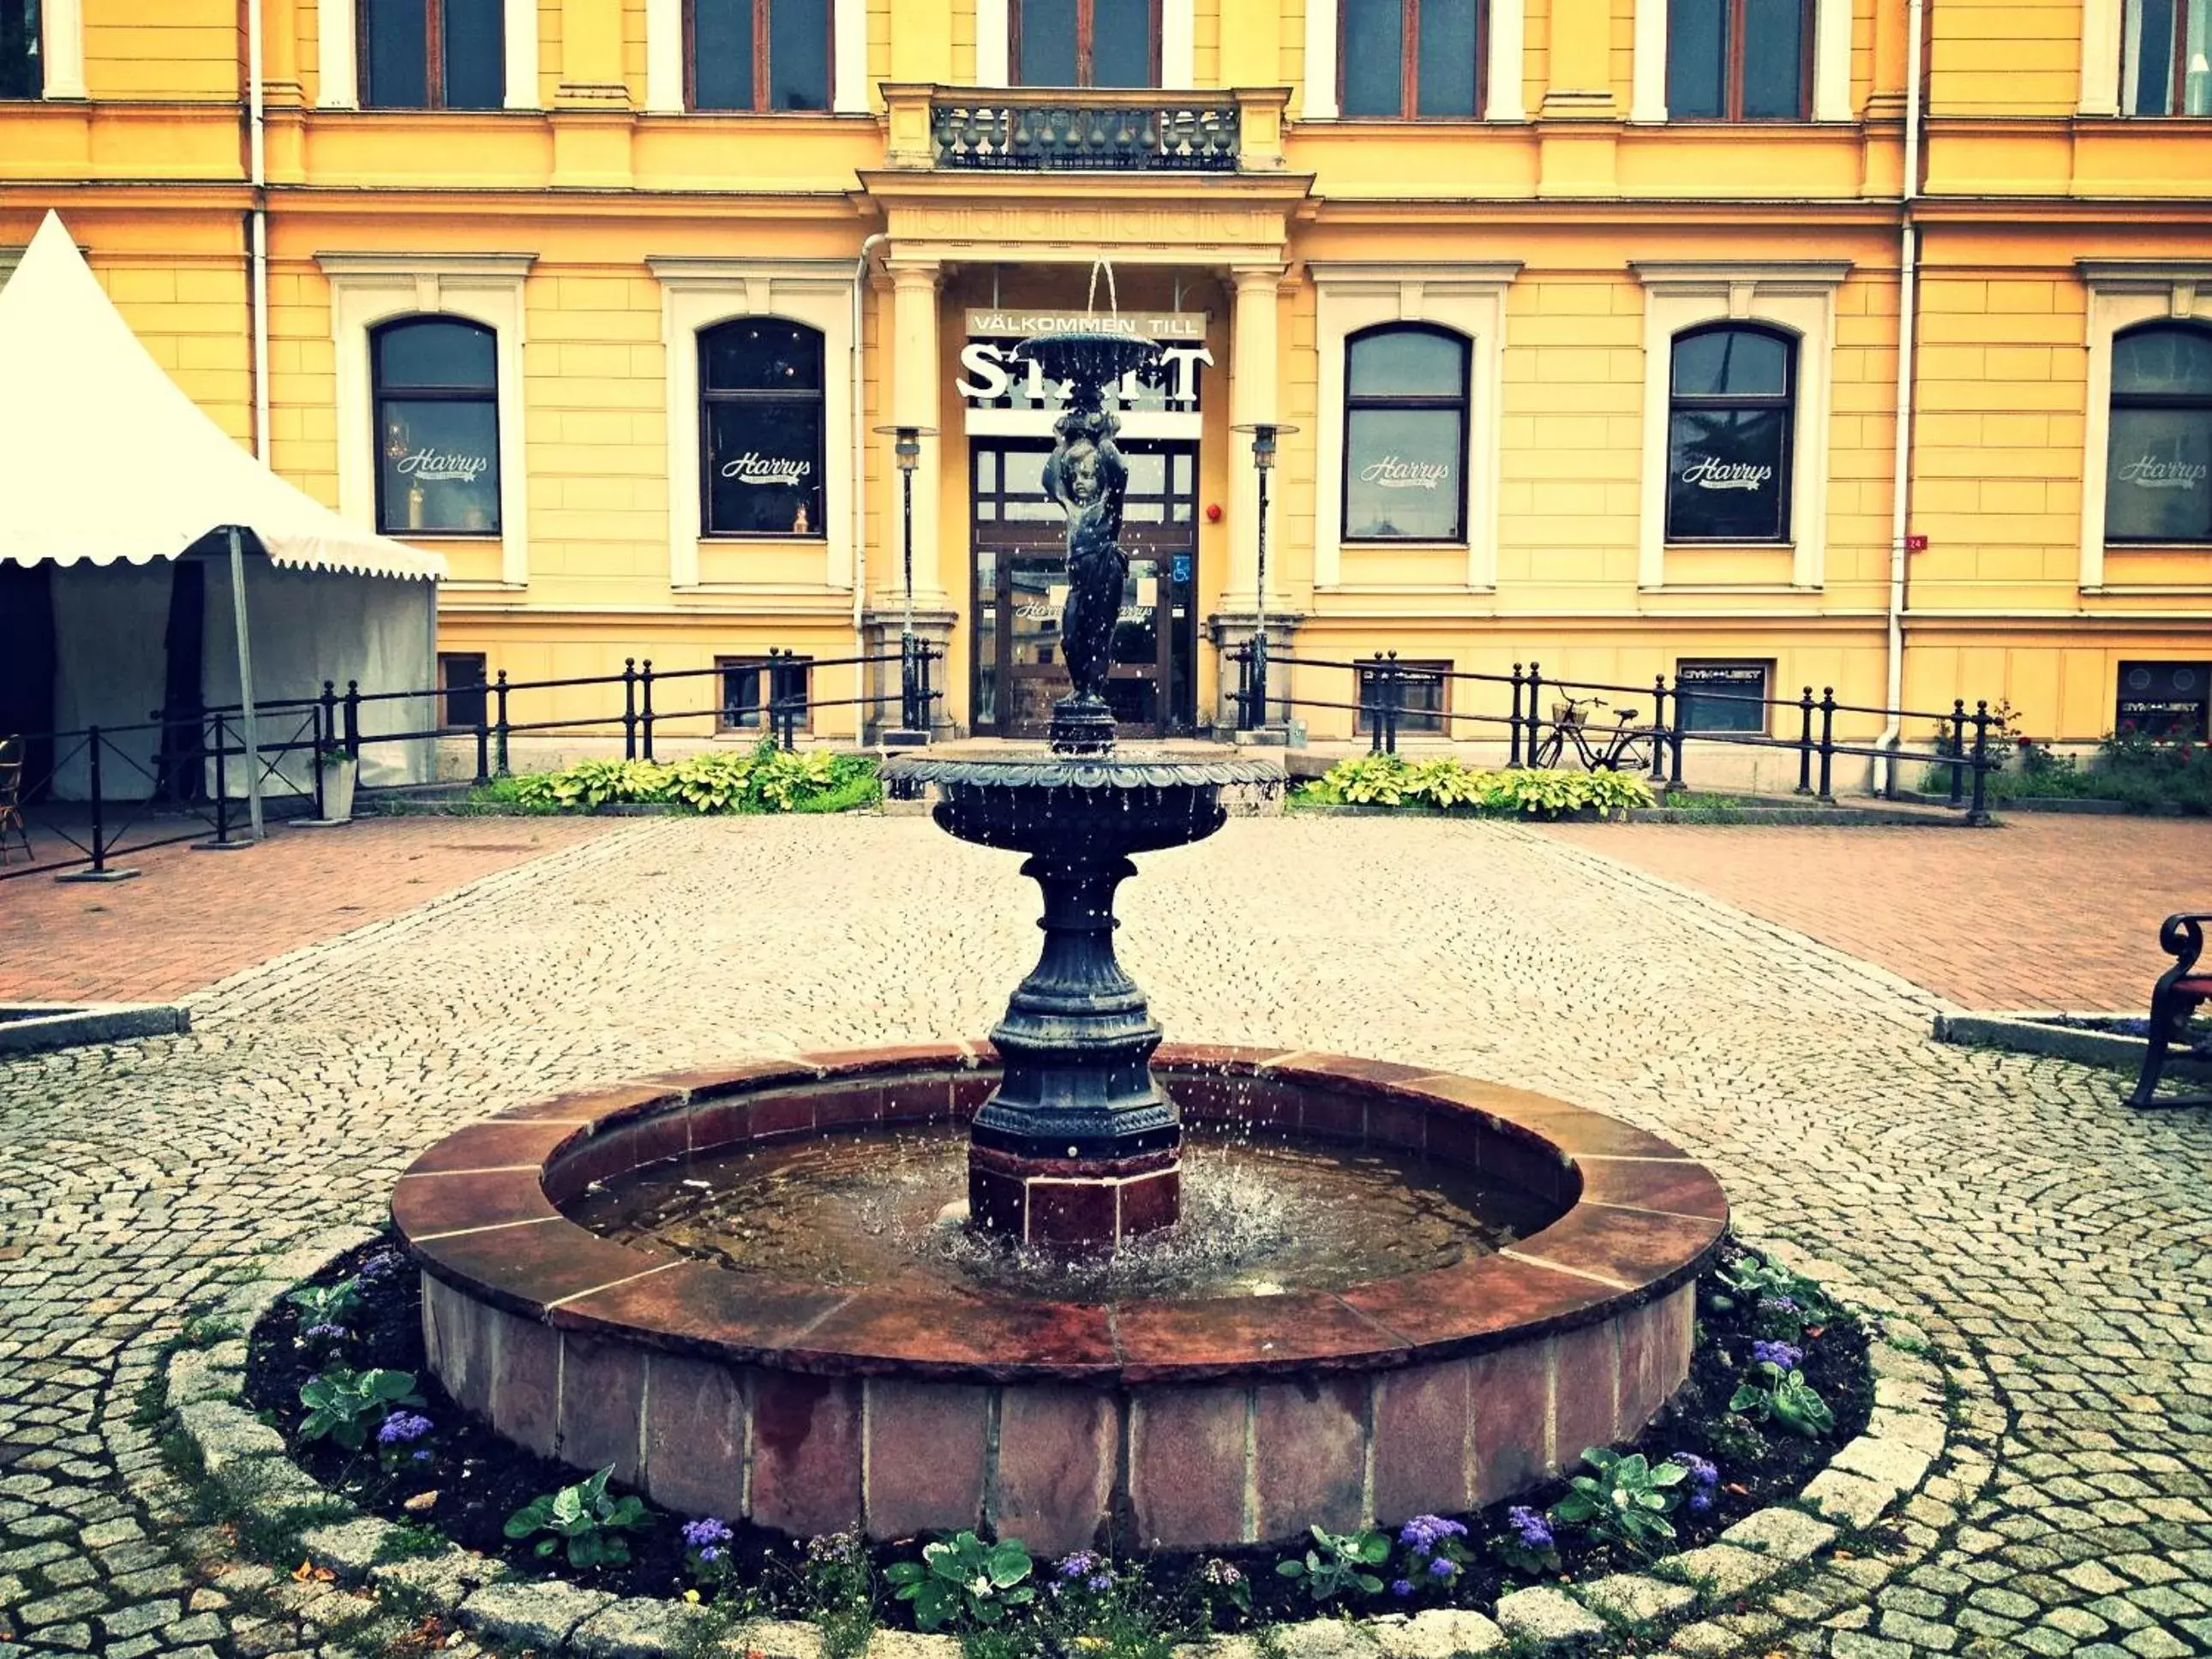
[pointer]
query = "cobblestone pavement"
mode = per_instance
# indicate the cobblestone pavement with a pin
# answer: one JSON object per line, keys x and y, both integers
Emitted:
{"x": 191, "y": 917}
{"x": 2046, "y": 911}
{"x": 2054, "y": 1244}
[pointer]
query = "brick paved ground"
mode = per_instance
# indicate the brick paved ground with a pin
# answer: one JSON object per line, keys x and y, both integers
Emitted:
{"x": 2053, "y": 1243}
{"x": 2046, "y": 911}
{"x": 191, "y": 918}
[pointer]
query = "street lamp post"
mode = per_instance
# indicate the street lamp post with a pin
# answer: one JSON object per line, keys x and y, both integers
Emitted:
{"x": 914, "y": 719}
{"x": 1264, "y": 434}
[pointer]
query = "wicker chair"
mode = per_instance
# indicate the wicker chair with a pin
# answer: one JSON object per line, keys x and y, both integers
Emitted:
{"x": 11, "y": 801}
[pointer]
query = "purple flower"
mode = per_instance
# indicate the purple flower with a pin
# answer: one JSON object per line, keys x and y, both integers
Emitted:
{"x": 1780, "y": 1303}
{"x": 1081, "y": 1564}
{"x": 710, "y": 1553}
{"x": 705, "y": 1534}
{"x": 421, "y": 1457}
{"x": 1401, "y": 1587}
{"x": 1535, "y": 1532}
{"x": 1780, "y": 1355}
{"x": 401, "y": 1427}
{"x": 322, "y": 1333}
{"x": 1440, "y": 1568}
{"x": 1703, "y": 1477}
{"x": 1425, "y": 1532}
{"x": 1099, "y": 1581}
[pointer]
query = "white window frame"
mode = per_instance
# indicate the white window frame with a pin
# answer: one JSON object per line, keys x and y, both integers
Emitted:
{"x": 1831, "y": 61}
{"x": 1469, "y": 299}
{"x": 337, "y": 75}
{"x": 2124, "y": 292}
{"x": 1799, "y": 298}
{"x": 994, "y": 36}
{"x": 1501, "y": 93}
{"x": 61, "y": 50}
{"x": 697, "y": 294}
{"x": 369, "y": 288}
{"x": 664, "y": 57}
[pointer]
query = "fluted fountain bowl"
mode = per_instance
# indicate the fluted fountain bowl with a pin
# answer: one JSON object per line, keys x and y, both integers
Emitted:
{"x": 1098, "y": 355}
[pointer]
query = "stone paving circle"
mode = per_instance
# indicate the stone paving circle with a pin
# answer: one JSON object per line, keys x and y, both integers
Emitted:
{"x": 2036, "y": 1252}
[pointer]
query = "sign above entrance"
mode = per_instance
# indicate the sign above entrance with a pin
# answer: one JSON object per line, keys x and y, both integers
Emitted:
{"x": 1011, "y": 398}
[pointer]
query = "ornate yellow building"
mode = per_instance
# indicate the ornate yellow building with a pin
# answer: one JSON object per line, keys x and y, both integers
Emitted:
{"x": 1582, "y": 317}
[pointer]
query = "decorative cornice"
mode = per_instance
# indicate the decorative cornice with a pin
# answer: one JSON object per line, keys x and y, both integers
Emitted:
{"x": 1802, "y": 275}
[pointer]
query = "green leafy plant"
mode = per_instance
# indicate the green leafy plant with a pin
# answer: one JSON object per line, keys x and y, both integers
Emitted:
{"x": 344, "y": 1404}
{"x": 326, "y": 1304}
{"x": 584, "y": 1519}
{"x": 1626, "y": 1499}
{"x": 962, "y": 1579}
{"x": 1781, "y": 1303}
{"x": 1338, "y": 1564}
{"x": 1444, "y": 784}
{"x": 839, "y": 1585}
{"x": 763, "y": 778}
{"x": 1777, "y": 1392}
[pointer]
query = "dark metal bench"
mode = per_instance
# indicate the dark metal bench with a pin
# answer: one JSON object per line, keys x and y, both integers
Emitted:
{"x": 2179, "y": 989}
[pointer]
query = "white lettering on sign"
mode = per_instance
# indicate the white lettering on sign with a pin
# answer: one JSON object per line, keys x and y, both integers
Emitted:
{"x": 2147, "y": 473}
{"x": 443, "y": 464}
{"x": 1037, "y": 610}
{"x": 754, "y": 468}
{"x": 1710, "y": 472}
{"x": 990, "y": 367}
{"x": 1140, "y": 325}
{"x": 1391, "y": 473}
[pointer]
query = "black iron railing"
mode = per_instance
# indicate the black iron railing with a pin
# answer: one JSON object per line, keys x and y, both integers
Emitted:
{"x": 1534, "y": 730}
{"x": 1072, "y": 133}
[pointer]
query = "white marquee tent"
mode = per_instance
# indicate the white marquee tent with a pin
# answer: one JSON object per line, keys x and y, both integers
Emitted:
{"x": 111, "y": 474}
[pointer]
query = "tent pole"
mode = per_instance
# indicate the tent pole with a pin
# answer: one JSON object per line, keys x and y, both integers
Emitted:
{"x": 245, "y": 686}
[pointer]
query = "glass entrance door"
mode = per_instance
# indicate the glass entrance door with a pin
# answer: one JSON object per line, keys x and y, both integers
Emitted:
{"x": 1020, "y": 589}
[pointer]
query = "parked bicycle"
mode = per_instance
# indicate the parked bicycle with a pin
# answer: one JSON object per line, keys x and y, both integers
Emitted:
{"x": 1625, "y": 747}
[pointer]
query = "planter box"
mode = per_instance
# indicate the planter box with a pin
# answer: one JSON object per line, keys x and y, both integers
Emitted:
{"x": 2024, "y": 1033}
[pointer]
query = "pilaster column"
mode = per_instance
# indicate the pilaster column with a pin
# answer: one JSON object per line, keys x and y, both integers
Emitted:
{"x": 280, "y": 55}
{"x": 1251, "y": 43}
{"x": 1253, "y": 396}
{"x": 917, "y": 397}
{"x": 591, "y": 56}
{"x": 1581, "y": 61}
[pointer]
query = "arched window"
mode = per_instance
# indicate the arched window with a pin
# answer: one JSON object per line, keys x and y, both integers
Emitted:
{"x": 761, "y": 428}
{"x": 1085, "y": 43}
{"x": 432, "y": 54}
{"x": 758, "y": 55}
{"x": 2158, "y": 483}
{"x": 1405, "y": 434}
{"x": 21, "y": 74}
{"x": 435, "y": 383}
{"x": 1731, "y": 410}
{"x": 1739, "y": 60}
{"x": 1412, "y": 58}
{"x": 2163, "y": 70}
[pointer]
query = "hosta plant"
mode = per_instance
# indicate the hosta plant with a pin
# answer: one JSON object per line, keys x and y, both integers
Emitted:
{"x": 1623, "y": 1498}
{"x": 1339, "y": 1564}
{"x": 962, "y": 1579}
{"x": 583, "y": 1519}
{"x": 344, "y": 1404}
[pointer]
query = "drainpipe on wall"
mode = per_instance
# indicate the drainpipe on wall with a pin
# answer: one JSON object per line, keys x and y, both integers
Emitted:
{"x": 860, "y": 482}
{"x": 1908, "y": 261}
{"x": 257, "y": 154}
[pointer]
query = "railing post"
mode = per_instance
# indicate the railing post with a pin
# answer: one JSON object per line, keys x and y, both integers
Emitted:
{"x": 1241, "y": 656}
{"x": 1957, "y": 745}
{"x": 483, "y": 749}
{"x": 928, "y": 687}
{"x": 1805, "y": 743}
{"x": 1659, "y": 730}
{"x": 499, "y": 693}
{"x": 1535, "y": 710}
{"x": 1370, "y": 703}
{"x": 630, "y": 709}
{"x": 326, "y": 733}
{"x": 645, "y": 705}
{"x": 353, "y": 718}
{"x": 1392, "y": 692}
{"x": 98, "y": 808}
{"x": 221, "y": 784}
{"x": 1979, "y": 811}
{"x": 1513, "y": 722}
{"x": 1827, "y": 797}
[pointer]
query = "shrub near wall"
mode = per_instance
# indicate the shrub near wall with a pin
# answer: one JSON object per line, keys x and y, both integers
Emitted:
{"x": 1443, "y": 784}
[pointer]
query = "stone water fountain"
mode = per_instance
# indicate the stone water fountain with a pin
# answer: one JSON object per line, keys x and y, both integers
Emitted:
{"x": 1364, "y": 1290}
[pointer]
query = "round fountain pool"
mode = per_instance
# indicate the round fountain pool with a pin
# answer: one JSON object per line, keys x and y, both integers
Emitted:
{"x": 1467, "y": 1285}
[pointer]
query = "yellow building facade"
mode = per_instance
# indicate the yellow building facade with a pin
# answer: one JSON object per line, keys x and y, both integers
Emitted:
{"x": 1581, "y": 320}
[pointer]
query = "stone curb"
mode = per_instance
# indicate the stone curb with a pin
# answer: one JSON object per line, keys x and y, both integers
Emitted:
{"x": 1868, "y": 1478}
{"x": 34, "y": 1027}
{"x": 2021, "y": 1033}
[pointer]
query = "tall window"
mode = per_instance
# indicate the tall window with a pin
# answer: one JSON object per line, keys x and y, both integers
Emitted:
{"x": 1730, "y": 414}
{"x": 2163, "y": 67}
{"x": 1412, "y": 58}
{"x": 1739, "y": 60}
{"x": 754, "y": 689}
{"x": 1086, "y": 43}
{"x": 436, "y": 386}
{"x": 2158, "y": 474}
{"x": 21, "y": 73}
{"x": 758, "y": 55}
{"x": 432, "y": 54}
{"x": 760, "y": 423}
{"x": 1405, "y": 434}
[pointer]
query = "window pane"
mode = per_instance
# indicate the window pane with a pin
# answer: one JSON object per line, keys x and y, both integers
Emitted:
{"x": 439, "y": 465}
{"x": 2195, "y": 70}
{"x": 1725, "y": 475}
{"x": 2163, "y": 699}
{"x": 1048, "y": 43}
{"x": 761, "y": 354}
{"x": 1722, "y": 696}
{"x": 1374, "y": 57}
{"x": 2159, "y": 482}
{"x": 21, "y": 73}
{"x": 1402, "y": 474}
{"x": 1773, "y": 59}
{"x": 461, "y": 676}
{"x": 1697, "y": 58}
{"x": 1731, "y": 361}
{"x": 476, "y": 54}
{"x": 721, "y": 54}
{"x": 799, "y": 54}
{"x": 1120, "y": 43}
{"x": 398, "y": 61}
{"x": 2147, "y": 58}
{"x": 765, "y": 468}
{"x": 1407, "y": 363}
{"x": 741, "y": 694}
{"x": 1446, "y": 86}
{"x": 2175, "y": 361}
{"x": 436, "y": 353}
{"x": 1421, "y": 697}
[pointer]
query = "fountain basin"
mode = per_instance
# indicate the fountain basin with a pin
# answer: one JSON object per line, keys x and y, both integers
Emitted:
{"x": 908, "y": 1405}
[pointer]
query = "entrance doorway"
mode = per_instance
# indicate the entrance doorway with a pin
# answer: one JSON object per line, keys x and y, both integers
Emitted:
{"x": 1020, "y": 584}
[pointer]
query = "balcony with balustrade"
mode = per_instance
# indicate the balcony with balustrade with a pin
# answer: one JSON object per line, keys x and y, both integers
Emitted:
{"x": 1025, "y": 130}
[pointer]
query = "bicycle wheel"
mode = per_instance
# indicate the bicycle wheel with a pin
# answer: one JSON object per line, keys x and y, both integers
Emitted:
{"x": 1546, "y": 754}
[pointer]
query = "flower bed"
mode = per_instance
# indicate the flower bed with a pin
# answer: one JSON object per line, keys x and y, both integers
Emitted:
{"x": 1443, "y": 784}
{"x": 764, "y": 779}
